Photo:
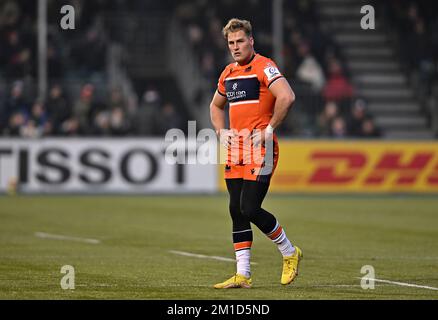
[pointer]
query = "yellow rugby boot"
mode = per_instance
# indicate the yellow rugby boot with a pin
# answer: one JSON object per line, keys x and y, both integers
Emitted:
{"x": 290, "y": 266}
{"x": 236, "y": 281}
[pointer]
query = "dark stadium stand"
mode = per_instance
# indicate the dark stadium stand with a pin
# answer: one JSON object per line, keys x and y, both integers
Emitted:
{"x": 84, "y": 97}
{"x": 379, "y": 61}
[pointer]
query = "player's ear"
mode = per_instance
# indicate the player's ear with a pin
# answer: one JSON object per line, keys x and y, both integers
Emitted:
{"x": 251, "y": 40}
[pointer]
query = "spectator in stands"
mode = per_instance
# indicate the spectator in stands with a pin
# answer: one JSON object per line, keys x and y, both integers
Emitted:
{"x": 112, "y": 120}
{"x": 17, "y": 56}
{"x": 356, "y": 118}
{"x": 70, "y": 127}
{"x": 58, "y": 109}
{"x": 116, "y": 99}
{"x": 90, "y": 51}
{"x": 131, "y": 106}
{"x": 15, "y": 103}
{"x": 195, "y": 35}
{"x": 338, "y": 87}
{"x": 119, "y": 123}
{"x": 326, "y": 118}
{"x": 16, "y": 122}
{"x": 84, "y": 108}
{"x": 168, "y": 119}
{"x": 291, "y": 51}
{"x": 9, "y": 15}
{"x": 369, "y": 129}
{"x": 37, "y": 124}
{"x": 338, "y": 129}
{"x": 144, "y": 119}
{"x": 310, "y": 71}
{"x": 101, "y": 125}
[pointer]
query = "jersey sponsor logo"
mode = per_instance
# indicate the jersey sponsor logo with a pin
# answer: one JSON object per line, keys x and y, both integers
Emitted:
{"x": 271, "y": 72}
{"x": 242, "y": 89}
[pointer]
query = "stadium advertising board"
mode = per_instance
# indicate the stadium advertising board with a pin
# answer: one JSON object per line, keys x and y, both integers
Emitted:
{"x": 355, "y": 166}
{"x": 98, "y": 166}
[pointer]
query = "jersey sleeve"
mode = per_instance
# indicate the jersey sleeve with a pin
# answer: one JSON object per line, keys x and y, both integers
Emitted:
{"x": 221, "y": 83}
{"x": 269, "y": 73}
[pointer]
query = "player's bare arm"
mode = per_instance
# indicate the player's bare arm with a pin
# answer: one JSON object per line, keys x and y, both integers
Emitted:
{"x": 217, "y": 113}
{"x": 217, "y": 116}
{"x": 284, "y": 98}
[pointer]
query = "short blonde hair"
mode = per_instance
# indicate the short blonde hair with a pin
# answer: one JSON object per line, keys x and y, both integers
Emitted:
{"x": 235, "y": 25}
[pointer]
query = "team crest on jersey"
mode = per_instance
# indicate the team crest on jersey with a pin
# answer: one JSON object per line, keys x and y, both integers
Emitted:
{"x": 271, "y": 72}
{"x": 234, "y": 85}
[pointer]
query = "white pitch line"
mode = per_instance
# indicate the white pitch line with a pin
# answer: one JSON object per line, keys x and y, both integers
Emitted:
{"x": 96, "y": 285}
{"x": 68, "y": 238}
{"x": 201, "y": 256}
{"x": 402, "y": 284}
{"x": 334, "y": 285}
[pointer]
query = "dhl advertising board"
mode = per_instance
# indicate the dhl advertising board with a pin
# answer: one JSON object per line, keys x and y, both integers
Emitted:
{"x": 355, "y": 166}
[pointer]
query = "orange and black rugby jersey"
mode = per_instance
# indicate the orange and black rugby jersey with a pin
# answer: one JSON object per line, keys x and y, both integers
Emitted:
{"x": 247, "y": 91}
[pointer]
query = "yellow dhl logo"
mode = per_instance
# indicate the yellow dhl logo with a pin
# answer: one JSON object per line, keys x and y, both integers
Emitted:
{"x": 356, "y": 166}
{"x": 345, "y": 167}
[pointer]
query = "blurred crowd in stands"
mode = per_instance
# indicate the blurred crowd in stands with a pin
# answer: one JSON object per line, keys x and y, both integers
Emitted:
{"x": 86, "y": 115}
{"x": 79, "y": 101}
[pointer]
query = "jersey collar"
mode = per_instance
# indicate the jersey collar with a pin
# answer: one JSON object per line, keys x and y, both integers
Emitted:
{"x": 249, "y": 62}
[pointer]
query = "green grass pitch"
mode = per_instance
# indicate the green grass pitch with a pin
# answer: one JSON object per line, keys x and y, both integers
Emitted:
{"x": 398, "y": 236}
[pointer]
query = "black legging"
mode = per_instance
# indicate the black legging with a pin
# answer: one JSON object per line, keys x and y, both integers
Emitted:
{"x": 246, "y": 199}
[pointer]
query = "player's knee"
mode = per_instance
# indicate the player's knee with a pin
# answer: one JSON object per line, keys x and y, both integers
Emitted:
{"x": 234, "y": 210}
{"x": 249, "y": 210}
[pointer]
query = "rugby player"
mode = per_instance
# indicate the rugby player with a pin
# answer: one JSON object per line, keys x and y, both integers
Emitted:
{"x": 259, "y": 99}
